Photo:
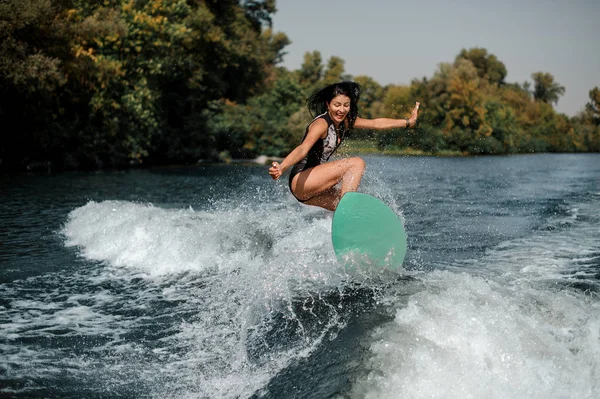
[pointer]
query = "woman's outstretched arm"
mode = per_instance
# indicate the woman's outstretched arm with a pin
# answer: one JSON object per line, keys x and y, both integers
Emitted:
{"x": 388, "y": 123}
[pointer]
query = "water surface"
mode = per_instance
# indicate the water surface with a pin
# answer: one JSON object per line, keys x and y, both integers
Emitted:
{"x": 212, "y": 281}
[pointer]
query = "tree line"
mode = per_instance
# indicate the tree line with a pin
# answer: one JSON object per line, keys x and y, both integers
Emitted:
{"x": 87, "y": 84}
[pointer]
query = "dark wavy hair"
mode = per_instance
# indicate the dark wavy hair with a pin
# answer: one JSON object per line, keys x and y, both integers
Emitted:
{"x": 317, "y": 102}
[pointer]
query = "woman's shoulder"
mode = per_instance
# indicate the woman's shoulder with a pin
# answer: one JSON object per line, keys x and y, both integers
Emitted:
{"x": 320, "y": 123}
{"x": 324, "y": 116}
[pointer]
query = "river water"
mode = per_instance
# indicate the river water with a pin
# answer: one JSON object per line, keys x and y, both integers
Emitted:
{"x": 211, "y": 281}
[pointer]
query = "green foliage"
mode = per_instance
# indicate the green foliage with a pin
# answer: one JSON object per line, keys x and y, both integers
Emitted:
{"x": 434, "y": 96}
{"x": 503, "y": 121}
{"x": 26, "y": 31}
{"x": 370, "y": 97}
{"x": 260, "y": 126}
{"x": 226, "y": 58}
{"x": 465, "y": 121}
{"x": 334, "y": 71}
{"x": 593, "y": 107}
{"x": 311, "y": 70}
{"x": 30, "y": 70}
{"x": 487, "y": 65}
{"x": 545, "y": 88}
{"x": 586, "y": 132}
{"x": 122, "y": 81}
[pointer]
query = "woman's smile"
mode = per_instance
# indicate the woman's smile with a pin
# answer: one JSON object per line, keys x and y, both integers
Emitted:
{"x": 339, "y": 107}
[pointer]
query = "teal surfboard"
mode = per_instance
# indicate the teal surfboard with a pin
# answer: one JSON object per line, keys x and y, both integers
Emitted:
{"x": 367, "y": 231}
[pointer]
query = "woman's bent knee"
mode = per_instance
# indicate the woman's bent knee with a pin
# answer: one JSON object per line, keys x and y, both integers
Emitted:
{"x": 358, "y": 163}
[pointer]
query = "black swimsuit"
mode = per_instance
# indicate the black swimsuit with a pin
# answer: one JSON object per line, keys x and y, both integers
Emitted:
{"x": 321, "y": 151}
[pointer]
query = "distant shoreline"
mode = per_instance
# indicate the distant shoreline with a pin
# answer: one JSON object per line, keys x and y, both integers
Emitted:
{"x": 38, "y": 168}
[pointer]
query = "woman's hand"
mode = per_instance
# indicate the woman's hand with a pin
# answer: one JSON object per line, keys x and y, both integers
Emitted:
{"x": 275, "y": 171}
{"x": 412, "y": 121}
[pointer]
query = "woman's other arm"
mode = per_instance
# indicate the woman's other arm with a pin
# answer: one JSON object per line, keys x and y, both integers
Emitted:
{"x": 316, "y": 131}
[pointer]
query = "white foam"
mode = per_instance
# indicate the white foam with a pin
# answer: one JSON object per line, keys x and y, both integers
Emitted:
{"x": 154, "y": 240}
{"x": 506, "y": 325}
{"x": 468, "y": 337}
{"x": 235, "y": 270}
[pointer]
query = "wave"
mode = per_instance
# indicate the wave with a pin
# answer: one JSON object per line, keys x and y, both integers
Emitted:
{"x": 514, "y": 323}
{"x": 245, "y": 285}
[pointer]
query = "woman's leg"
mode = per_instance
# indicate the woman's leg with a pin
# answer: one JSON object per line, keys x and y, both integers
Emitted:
{"x": 315, "y": 186}
{"x": 328, "y": 199}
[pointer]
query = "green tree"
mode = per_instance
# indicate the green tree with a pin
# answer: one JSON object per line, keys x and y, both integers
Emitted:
{"x": 487, "y": 65}
{"x": 545, "y": 88}
{"x": 124, "y": 46}
{"x": 227, "y": 57}
{"x": 122, "y": 81}
{"x": 434, "y": 95}
{"x": 465, "y": 121}
{"x": 311, "y": 71}
{"x": 394, "y": 102}
{"x": 370, "y": 96}
{"x": 397, "y": 102}
{"x": 259, "y": 12}
{"x": 334, "y": 72}
{"x": 503, "y": 121}
{"x": 259, "y": 126}
{"x": 593, "y": 107}
{"x": 28, "y": 57}
{"x": 33, "y": 51}
{"x": 586, "y": 125}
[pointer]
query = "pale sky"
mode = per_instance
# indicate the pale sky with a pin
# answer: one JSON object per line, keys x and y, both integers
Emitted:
{"x": 396, "y": 41}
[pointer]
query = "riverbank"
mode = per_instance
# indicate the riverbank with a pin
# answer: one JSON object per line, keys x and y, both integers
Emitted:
{"x": 353, "y": 146}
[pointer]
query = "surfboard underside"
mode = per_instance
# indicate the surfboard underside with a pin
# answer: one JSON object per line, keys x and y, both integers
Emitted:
{"x": 367, "y": 230}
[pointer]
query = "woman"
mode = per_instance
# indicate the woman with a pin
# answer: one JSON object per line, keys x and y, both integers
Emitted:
{"x": 313, "y": 180}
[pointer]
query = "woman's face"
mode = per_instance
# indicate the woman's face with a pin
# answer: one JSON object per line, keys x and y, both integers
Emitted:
{"x": 338, "y": 107}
